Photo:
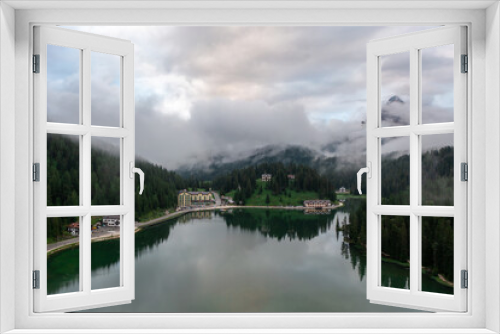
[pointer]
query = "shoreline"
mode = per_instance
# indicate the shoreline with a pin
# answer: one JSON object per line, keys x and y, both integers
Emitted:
{"x": 439, "y": 278}
{"x": 68, "y": 243}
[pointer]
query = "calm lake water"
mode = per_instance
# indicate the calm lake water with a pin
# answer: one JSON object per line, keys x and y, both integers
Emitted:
{"x": 245, "y": 260}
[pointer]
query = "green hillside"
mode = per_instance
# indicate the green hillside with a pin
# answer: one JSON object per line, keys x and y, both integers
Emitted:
{"x": 63, "y": 188}
{"x": 288, "y": 197}
{"x": 245, "y": 185}
{"x": 437, "y": 232}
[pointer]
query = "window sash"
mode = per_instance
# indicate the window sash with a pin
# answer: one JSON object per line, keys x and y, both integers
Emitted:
{"x": 86, "y": 297}
{"x": 413, "y": 297}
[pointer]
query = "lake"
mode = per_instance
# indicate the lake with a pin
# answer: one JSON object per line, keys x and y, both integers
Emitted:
{"x": 244, "y": 260}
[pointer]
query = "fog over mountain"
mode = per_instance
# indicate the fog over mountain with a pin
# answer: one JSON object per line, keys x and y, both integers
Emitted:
{"x": 285, "y": 154}
{"x": 333, "y": 149}
{"x": 207, "y": 96}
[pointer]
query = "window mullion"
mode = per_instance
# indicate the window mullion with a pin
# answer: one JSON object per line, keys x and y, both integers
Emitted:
{"x": 66, "y": 211}
{"x": 81, "y": 183}
{"x": 434, "y": 129}
{"x": 419, "y": 131}
{"x": 414, "y": 169}
{"x": 392, "y": 210}
{"x": 85, "y": 181}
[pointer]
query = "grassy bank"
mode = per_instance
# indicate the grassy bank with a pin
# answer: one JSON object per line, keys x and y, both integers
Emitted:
{"x": 399, "y": 263}
{"x": 435, "y": 278}
{"x": 154, "y": 214}
{"x": 292, "y": 197}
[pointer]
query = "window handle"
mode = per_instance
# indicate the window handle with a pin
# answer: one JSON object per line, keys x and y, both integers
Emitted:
{"x": 141, "y": 176}
{"x": 368, "y": 171}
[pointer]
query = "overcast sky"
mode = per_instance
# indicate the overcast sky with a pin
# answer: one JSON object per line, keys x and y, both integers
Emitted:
{"x": 204, "y": 91}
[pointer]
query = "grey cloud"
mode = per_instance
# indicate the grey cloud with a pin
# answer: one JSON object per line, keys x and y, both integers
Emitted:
{"x": 221, "y": 127}
{"x": 434, "y": 142}
{"x": 395, "y": 147}
{"x": 252, "y": 121}
{"x": 345, "y": 140}
{"x": 63, "y": 85}
{"x": 105, "y": 89}
{"x": 63, "y": 105}
{"x": 246, "y": 87}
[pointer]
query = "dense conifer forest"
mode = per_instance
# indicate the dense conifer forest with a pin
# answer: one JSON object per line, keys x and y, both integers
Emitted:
{"x": 162, "y": 186}
{"x": 437, "y": 232}
{"x": 63, "y": 183}
{"x": 437, "y": 178}
{"x": 437, "y": 239}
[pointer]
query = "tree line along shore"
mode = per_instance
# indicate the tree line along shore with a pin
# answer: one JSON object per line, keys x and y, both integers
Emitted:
{"x": 244, "y": 186}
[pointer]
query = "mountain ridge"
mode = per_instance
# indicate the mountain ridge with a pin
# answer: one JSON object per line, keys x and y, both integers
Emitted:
{"x": 286, "y": 154}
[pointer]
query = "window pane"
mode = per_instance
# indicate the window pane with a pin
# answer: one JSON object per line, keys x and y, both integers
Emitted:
{"x": 395, "y": 171}
{"x": 105, "y": 86}
{"x": 63, "y": 170}
{"x": 395, "y": 89}
{"x": 105, "y": 252}
{"x": 437, "y": 169}
{"x": 395, "y": 251}
{"x": 437, "y": 254}
{"x": 63, "y": 255}
{"x": 63, "y": 84}
{"x": 105, "y": 171}
{"x": 437, "y": 84}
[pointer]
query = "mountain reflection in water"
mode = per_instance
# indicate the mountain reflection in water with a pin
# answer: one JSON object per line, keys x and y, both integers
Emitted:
{"x": 246, "y": 260}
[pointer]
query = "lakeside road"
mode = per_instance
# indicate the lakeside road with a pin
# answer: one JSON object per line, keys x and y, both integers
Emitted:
{"x": 111, "y": 233}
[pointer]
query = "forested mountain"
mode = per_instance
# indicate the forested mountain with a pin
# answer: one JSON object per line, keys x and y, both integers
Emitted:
{"x": 344, "y": 176}
{"x": 161, "y": 188}
{"x": 437, "y": 232}
{"x": 437, "y": 238}
{"x": 63, "y": 186}
{"x": 437, "y": 178}
{"x": 244, "y": 181}
{"x": 63, "y": 178}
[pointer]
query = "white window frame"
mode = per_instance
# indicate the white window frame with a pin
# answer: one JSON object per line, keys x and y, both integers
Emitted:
{"x": 412, "y": 44}
{"x": 483, "y": 124}
{"x": 86, "y": 44}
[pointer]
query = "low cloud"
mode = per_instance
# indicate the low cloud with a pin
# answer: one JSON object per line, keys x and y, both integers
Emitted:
{"x": 224, "y": 127}
{"x": 206, "y": 91}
